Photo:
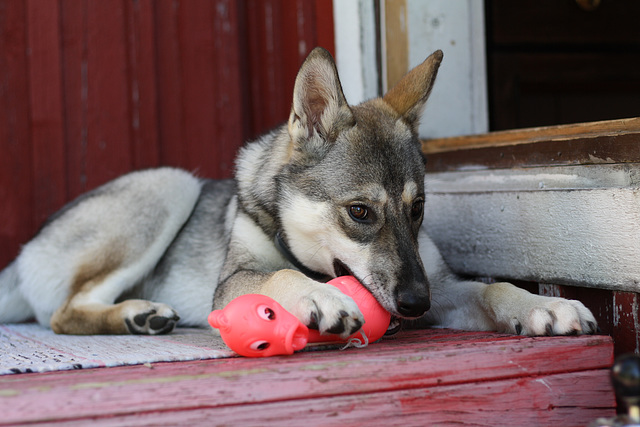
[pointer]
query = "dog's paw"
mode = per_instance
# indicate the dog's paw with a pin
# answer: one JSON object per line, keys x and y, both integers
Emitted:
{"x": 517, "y": 311}
{"x": 149, "y": 318}
{"x": 554, "y": 316}
{"x": 329, "y": 311}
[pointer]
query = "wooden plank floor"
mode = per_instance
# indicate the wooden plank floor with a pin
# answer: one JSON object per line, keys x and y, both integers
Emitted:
{"x": 432, "y": 377}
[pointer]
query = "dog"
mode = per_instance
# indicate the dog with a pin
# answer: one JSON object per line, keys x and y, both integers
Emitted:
{"x": 336, "y": 190}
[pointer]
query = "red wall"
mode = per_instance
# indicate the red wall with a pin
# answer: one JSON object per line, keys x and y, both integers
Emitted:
{"x": 91, "y": 89}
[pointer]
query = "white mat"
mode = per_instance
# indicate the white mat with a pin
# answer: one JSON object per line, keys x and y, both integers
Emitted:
{"x": 32, "y": 348}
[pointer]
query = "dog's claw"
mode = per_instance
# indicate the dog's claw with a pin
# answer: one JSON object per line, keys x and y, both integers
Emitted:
{"x": 341, "y": 327}
{"x": 329, "y": 311}
{"x": 356, "y": 326}
{"x": 337, "y": 328}
{"x": 518, "y": 328}
{"x": 551, "y": 316}
{"x": 314, "y": 321}
{"x": 549, "y": 329}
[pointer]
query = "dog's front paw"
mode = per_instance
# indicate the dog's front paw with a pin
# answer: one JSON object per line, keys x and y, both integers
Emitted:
{"x": 556, "y": 316}
{"x": 329, "y": 311}
{"x": 149, "y": 318}
{"x": 520, "y": 312}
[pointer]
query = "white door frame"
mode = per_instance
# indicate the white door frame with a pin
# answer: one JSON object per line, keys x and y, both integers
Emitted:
{"x": 411, "y": 30}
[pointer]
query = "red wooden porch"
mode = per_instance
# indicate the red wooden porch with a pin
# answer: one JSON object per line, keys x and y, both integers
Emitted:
{"x": 433, "y": 377}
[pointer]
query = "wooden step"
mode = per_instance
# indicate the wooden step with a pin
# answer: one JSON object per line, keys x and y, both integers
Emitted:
{"x": 418, "y": 378}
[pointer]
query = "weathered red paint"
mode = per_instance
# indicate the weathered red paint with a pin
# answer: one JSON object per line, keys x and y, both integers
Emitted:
{"x": 615, "y": 311}
{"x": 419, "y": 378}
{"x": 16, "y": 167}
{"x": 626, "y": 331}
{"x": 90, "y": 90}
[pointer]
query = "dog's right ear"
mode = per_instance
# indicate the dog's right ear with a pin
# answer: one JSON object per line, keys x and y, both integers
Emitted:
{"x": 320, "y": 110}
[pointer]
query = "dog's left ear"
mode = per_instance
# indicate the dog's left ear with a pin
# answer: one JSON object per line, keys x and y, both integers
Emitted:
{"x": 409, "y": 96}
{"x": 319, "y": 107}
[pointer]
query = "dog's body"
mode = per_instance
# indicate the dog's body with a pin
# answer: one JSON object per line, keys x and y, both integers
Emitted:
{"x": 338, "y": 190}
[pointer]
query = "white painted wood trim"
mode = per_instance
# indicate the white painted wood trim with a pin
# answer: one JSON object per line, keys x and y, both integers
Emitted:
{"x": 458, "y": 104}
{"x": 575, "y": 225}
{"x": 355, "y": 38}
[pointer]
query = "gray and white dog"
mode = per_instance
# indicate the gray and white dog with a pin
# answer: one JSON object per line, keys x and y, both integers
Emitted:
{"x": 336, "y": 190}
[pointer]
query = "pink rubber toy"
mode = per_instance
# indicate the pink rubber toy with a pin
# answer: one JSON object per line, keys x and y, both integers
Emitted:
{"x": 257, "y": 326}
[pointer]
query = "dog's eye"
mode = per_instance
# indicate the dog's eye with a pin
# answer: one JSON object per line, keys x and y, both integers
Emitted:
{"x": 266, "y": 313}
{"x": 416, "y": 209}
{"x": 359, "y": 213}
{"x": 259, "y": 345}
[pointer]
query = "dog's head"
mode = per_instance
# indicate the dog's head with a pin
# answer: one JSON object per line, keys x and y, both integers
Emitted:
{"x": 352, "y": 192}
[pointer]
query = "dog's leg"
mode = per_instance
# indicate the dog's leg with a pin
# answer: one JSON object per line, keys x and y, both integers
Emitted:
{"x": 500, "y": 307}
{"x": 127, "y": 317}
{"x": 504, "y": 307}
{"x": 518, "y": 311}
{"x": 100, "y": 247}
{"x": 90, "y": 309}
{"x": 315, "y": 304}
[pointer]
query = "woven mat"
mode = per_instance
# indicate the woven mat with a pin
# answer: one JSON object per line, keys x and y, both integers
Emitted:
{"x": 33, "y": 348}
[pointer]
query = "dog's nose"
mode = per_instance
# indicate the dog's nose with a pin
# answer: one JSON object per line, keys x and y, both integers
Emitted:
{"x": 411, "y": 304}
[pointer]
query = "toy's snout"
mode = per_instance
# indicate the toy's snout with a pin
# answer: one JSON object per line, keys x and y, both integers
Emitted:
{"x": 256, "y": 326}
{"x": 218, "y": 320}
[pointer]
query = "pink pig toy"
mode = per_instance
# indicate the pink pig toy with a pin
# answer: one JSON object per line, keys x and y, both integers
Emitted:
{"x": 257, "y": 326}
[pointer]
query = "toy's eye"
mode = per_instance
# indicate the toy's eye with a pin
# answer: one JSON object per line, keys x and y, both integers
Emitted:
{"x": 266, "y": 313}
{"x": 259, "y": 345}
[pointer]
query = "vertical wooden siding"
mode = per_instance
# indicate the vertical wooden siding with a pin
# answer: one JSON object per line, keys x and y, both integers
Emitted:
{"x": 91, "y": 89}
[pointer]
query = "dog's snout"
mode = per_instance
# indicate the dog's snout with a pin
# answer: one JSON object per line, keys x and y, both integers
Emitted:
{"x": 411, "y": 304}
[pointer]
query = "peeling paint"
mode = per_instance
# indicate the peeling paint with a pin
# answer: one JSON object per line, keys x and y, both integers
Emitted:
{"x": 544, "y": 383}
{"x": 634, "y": 313}
{"x": 616, "y": 312}
{"x": 168, "y": 380}
{"x": 598, "y": 160}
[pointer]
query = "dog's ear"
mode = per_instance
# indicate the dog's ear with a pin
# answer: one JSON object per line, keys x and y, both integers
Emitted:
{"x": 319, "y": 108}
{"x": 409, "y": 95}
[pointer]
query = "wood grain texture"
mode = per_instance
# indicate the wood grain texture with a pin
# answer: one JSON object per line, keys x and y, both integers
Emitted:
{"x": 140, "y": 33}
{"x": 108, "y": 151}
{"x": 396, "y": 41}
{"x": 17, "y": 205}
{"x": 553, "y": 400}
{"x": 46, "y": 101}
{"x": 626, "y": 325}
{"x": 438, "y": 373}
{"x": 531, "y": 135}
{"x": 91, "y": 90}
{"x": 581, "y": 237}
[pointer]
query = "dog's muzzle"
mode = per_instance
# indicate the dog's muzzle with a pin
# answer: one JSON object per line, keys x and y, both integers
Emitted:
{"x": 412, "y": 304}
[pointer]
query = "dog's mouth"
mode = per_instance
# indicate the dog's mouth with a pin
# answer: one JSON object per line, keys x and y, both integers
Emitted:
{"x": 394, "y": 326}
{"x": 341, "y": 269}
